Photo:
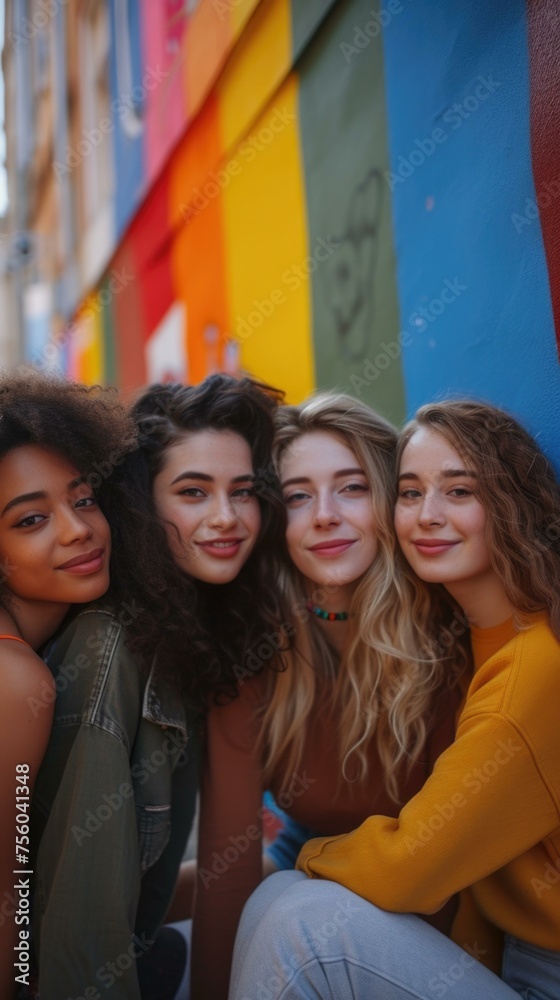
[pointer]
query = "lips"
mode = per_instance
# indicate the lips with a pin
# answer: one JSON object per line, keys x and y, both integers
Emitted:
{"x": 334, "y": 547}
{"x": 89, "y": 562}
{"x": 221, "y": 548}
{"x": 433, "y": 546}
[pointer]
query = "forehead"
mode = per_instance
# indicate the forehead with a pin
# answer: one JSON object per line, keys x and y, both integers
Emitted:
{"x": 317, "y": 453}
{"x": 31, "y": 467}
{"x": 429, "y": 451}
{"x": 210, "y": 451}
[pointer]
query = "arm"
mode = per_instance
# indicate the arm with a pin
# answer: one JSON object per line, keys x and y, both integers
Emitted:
{"x": 230, "y": 841}
{"x": 462, "y": 825}
{"x": 25, "y": 682}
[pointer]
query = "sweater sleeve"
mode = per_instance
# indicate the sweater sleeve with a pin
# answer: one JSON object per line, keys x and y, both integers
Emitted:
{"x": 230, "y": 840}
{"x": 464, "y": 824}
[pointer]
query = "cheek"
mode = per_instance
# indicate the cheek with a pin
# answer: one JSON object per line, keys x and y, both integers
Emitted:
{"x": 254, "y": 520}
{"x": 294, "y": 532}
{"x": 178, "y": 522}
{"x": 403, "y": 520}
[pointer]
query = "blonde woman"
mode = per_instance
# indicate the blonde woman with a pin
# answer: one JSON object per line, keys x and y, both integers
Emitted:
{"x": 359, "y": 703}
{"x": 478, "y": 513}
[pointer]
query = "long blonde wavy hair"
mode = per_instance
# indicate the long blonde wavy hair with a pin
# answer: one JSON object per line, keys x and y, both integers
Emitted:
{"x": 383, "y": 686}
{"x": 516, "y": 484}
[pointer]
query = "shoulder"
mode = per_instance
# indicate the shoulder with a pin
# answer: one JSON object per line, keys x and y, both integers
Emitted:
{"x": 98, "y": 678}
{"x": 96, "y": 631}
{"x": 23, "y": 674}
{"x": 27, "y": 703}
{"x": 236, "y": 723}
{"x": 521, "y": 681}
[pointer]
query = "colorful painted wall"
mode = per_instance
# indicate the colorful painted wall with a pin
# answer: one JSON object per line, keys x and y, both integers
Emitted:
{"x": 339, "y": 194}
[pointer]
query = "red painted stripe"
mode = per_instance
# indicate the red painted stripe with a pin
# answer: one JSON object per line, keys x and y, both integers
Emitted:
{"x": 544, "y": 56}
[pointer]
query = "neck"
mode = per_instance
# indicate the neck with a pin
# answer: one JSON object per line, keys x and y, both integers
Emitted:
{"x": 484, "y": 601}
{"x": 37, "y": 621}
{"x": 330, "y": 596}
{"x": 335, "y": 598}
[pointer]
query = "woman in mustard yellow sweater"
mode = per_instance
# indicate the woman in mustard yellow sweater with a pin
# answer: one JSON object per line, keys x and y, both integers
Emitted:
{"x": 478, "y": 512}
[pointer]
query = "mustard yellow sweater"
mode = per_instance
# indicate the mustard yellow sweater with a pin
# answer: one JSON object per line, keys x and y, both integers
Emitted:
{"x": 487, "y": 821}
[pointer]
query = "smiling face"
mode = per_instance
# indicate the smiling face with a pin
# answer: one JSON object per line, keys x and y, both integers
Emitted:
{"x": 206, "y": 499}
{"x": 440, "y": 523}
{"x": 331, "y": 531}
{"x": 55, "y": 543}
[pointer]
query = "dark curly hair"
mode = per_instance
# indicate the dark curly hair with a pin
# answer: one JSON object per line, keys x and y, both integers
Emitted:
{"x": 215, "y": 626}
{"x": 86, "y": 425}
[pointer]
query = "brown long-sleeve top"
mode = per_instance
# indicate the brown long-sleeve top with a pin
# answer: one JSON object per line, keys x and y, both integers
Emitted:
{"x": 230, "y": 832}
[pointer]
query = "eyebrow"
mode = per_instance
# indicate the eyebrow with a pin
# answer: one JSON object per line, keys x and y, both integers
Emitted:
{"x": 38, "y": 495}
{"x": 337, "y": 475}
{"x": 448, "y": 474}
{"x": 205, "y": 478}
{"x": 24, "y": 498}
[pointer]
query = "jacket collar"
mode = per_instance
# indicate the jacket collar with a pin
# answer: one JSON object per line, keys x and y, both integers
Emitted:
{"x": 161, "y": 705}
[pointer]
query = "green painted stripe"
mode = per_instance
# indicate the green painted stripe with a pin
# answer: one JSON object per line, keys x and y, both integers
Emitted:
{"x": 345, "y": 152}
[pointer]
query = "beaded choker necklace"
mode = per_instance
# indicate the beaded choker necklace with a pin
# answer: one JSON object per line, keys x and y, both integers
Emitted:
{"x": 329, "y": 616}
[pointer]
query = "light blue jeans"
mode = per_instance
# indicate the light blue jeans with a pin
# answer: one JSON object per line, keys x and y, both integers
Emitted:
{"x": 302, "y": 939}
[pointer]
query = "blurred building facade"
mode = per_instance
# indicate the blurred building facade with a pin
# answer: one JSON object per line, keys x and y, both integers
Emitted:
{"x": 334, "y": 193}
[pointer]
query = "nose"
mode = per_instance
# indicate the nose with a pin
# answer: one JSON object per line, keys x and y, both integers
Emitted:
{"x": 223, "y": 514}
{"x": 431, "y": 511}
{"x": 326, "y": 512}
{"x": 73, "y": 526}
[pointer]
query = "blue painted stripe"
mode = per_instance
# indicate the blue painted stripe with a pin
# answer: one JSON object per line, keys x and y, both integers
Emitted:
{"x": 459, "y": 202}
{"x": 127, "y": 102}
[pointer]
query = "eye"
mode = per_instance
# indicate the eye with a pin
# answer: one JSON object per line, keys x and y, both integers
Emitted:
{"x": 244, "y": 492}
{"x": 192, "y": 491}
{"x": 293, "y": 498}
{"x": 460, "y": 491}
{"x": 30, "y": 521}
{"x": 409, "y": 494}
{"x": 356, "y": 488}
{"x": 86, "y": 502}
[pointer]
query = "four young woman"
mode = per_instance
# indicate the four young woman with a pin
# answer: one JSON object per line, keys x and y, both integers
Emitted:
{"x": 332, "y": 678}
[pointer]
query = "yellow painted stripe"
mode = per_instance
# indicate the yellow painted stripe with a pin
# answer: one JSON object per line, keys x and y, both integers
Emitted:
{"x": 256, "y": 69}
{"x": 267, "y": 240}
{"x": 89, "y": 362}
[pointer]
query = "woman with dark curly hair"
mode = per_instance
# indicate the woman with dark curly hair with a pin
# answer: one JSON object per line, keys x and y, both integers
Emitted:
{"x": 195, "y": 506}
{"x": 55, "y": 547}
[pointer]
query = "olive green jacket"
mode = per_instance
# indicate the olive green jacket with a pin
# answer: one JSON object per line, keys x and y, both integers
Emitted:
{"x": 112, "y": 809}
